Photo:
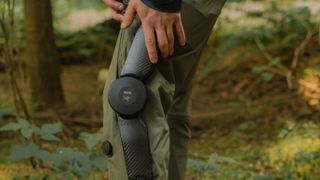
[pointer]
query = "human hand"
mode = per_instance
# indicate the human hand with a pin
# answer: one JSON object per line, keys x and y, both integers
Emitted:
{"x": 115, "y": 7}
{"x": 158, "y": 28}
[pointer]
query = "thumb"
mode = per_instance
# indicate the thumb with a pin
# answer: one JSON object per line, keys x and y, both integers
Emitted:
{"x": 128, "y": 16}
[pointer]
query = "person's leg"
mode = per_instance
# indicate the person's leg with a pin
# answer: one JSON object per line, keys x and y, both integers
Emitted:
{"x": 198, "y": 27}
{"x": 167, "y": 89}
{"x": 116, "y": 161}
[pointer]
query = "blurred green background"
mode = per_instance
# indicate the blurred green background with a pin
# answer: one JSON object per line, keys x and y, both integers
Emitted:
{"x": 256, "y": 100}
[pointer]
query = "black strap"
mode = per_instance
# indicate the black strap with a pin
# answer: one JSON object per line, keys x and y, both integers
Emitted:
{"x": 164, "y": 5}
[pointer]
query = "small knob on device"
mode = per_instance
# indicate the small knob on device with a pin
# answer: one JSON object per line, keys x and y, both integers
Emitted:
{"x": 107, "y": 148}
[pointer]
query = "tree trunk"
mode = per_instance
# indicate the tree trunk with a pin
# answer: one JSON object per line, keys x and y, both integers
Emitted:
{"x": 42, "y": 64}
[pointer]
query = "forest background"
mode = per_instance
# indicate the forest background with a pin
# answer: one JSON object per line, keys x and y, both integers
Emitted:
{"x": 256, "y": 99}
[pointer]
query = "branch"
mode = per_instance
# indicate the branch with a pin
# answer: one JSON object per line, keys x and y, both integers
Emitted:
{"x": 301, "y": 48}
{"x": 297, "y": 54}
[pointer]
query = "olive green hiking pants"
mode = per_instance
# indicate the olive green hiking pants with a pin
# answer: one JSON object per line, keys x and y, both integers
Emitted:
{"x": 167, "y": 112}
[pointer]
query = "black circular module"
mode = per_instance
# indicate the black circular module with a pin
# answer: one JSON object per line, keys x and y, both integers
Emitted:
{"x": 127, "y": 96}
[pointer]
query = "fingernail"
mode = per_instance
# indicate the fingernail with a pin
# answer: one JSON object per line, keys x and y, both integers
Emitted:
{"x": 154, "y": 61}
{"x": 120, "y": 7}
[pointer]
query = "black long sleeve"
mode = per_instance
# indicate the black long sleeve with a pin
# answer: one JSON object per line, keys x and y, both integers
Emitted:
{"x": 164, "y": 5}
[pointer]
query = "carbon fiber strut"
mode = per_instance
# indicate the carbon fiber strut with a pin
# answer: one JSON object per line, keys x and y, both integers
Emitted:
{"x": 127, "y": 97}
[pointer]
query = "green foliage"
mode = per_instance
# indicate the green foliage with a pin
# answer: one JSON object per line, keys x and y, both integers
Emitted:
{"x": 253, "y": 156}
{"x": 267, "y": 176}
{"x": 24, "y": 151}
{"x": 263, "y": 69}
{"x": 220, "y": 167}
{"x": 292, "y": 161}
{"x": 211, "y": 165}
{"x": 22, "y": 125}
{"x": 283, "y": 31}
{"x": 308, "y": 130}
{"x": 305, "y": 166}
{"x": 64, "y": 162}
{"x": 91, "y": 140}
{"x": 47, "y": 131}
{"x": 62, "y": 8}
{"x": 89, "y": 43}
{"x": 305, "y": 162}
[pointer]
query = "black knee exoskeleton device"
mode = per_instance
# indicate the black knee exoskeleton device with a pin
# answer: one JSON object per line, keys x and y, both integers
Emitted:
{"x": 128, "y": 96}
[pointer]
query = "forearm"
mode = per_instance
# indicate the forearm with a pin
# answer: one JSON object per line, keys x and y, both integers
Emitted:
{"x": 164, "y": 5}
